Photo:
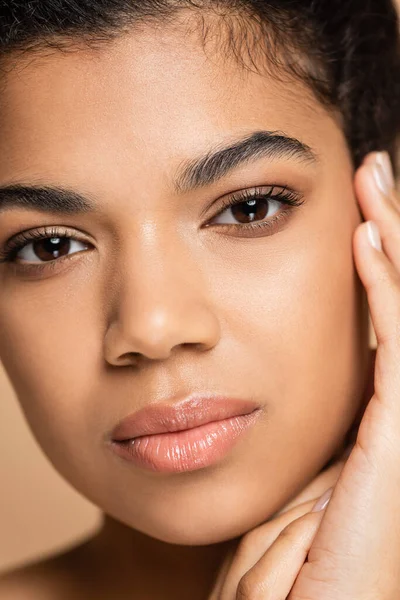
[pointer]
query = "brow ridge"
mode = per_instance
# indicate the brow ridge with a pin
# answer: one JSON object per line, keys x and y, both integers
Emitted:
{"x": 218, "y": 162}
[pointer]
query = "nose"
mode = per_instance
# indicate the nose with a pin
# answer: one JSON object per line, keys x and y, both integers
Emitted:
{"x": 159, "y": 303}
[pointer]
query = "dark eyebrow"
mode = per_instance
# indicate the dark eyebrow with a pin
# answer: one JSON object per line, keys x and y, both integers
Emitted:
{"x": 47, "y": 199}
{"x": 219, "y": 161}
{"x": 192, "y": 174}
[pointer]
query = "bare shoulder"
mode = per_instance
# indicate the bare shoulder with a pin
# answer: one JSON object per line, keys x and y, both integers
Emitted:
{"x": 52, "y": 578}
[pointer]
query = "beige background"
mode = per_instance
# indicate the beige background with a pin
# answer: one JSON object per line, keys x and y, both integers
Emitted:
{"x": 40, "y": 512}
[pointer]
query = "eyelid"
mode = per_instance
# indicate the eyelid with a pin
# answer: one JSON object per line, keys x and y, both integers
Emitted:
{"x": 22, "y": 239}
{"x": 271, "y": 180}
{"x": 266, "y": 190}
{"x": 285, "y": 195}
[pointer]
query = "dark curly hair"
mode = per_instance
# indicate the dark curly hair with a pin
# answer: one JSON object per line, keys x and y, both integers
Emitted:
{"x": 346, "y": 51}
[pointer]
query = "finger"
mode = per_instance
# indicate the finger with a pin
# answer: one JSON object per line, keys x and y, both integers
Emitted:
{"x": 253, "y": 544}
{"x": 386, "y": 175}
{"x": 374, "y": 186}
{"x": 384, "y": 161}
{"x": 324, "y": 480}
{"x": 274, "y": 575}
{"x": 382, "y": 283}
{"x": 249, "y": 550}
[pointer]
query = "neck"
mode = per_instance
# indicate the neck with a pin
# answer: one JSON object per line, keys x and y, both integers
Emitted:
{"x": 134, "y": 561}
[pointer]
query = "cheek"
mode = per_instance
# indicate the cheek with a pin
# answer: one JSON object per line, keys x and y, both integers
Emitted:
{"x": 50, "y": 353}
{"x": 302, "y": 327}
{"x": 289, "y": 309}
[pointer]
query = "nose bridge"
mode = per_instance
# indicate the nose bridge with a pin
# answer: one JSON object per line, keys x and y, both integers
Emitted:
{"x": 160, "y": 300}
{"x": 158, "y": 274}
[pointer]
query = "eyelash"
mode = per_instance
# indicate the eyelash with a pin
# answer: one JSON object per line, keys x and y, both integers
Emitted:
{"x": 11, "y": 249}
{"x": 287, "y": 197}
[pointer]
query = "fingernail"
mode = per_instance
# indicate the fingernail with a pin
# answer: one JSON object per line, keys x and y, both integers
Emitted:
{"x": 374, "y": 237}
{"x": 323, "y": 501}
{"x": 383, "y": 159}
{"x": 380, "y": 179}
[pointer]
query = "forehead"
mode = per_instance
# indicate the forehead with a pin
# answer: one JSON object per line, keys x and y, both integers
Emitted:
{"x": 157, "y": 94}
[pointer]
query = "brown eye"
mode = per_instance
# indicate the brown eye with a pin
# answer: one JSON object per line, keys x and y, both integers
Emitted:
{"x": 249, "y": 211}
{"x": 47, "y": 249}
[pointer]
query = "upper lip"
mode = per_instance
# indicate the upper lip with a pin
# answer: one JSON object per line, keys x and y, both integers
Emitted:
{"x": 190, "y": 412}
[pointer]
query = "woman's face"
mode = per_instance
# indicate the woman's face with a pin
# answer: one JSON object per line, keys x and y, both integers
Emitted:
{"x": 163, "y": 291}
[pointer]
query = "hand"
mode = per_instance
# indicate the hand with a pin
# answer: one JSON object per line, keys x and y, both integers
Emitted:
{"x": 355, "y": 554}
{"x": 270, "y": 555}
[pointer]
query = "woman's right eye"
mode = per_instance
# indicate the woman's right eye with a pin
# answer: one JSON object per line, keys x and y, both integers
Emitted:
{"x": 35, "y": 247}
{"x": 49, "y": 249}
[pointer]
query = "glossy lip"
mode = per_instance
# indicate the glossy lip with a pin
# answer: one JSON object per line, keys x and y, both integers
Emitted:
{"x": 188, "y": 449}
{"x": 191, "y": 412}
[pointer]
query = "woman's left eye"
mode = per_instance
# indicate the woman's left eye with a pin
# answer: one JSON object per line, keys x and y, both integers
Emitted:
{"x": 251, "y": 209}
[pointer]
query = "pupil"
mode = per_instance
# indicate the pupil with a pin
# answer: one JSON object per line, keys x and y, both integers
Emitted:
{"x": 51, "y": 248}
{"x": 251, "y": 212}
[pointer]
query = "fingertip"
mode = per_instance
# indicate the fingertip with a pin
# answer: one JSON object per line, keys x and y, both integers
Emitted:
{"x": 323, "y": 501}
{"x": 367, "y": 235}
{"x": 372, "y": 234}
{"x": 363, "y": 180}
{"x": 367, "y": 248}
{"x": 369, "y": 159}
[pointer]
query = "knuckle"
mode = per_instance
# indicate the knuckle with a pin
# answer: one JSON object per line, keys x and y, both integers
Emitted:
{"x": 248, "y": 589}
{"x": 244, "y": 589}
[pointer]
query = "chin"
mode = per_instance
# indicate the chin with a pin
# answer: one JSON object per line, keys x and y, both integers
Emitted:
{"x": 190, "y": 531}
{"x": 195, "y": 537}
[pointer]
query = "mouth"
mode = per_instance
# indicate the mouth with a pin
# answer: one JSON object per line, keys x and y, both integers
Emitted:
{"x": 190, "y": 435}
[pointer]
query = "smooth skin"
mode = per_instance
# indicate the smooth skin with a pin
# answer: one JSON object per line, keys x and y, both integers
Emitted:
{"x": 162, "y": 294}
{"x": 351, "y": 545}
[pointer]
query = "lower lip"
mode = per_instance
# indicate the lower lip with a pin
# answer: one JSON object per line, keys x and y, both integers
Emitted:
{"x": 188, "y": 450}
